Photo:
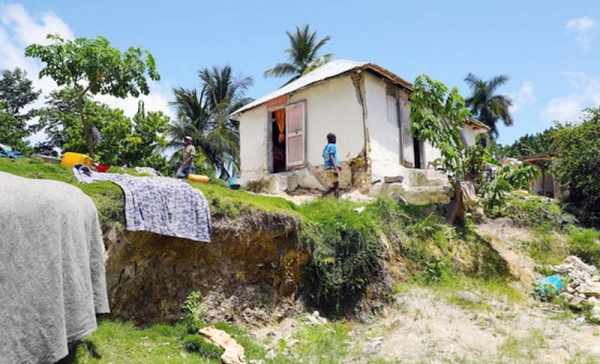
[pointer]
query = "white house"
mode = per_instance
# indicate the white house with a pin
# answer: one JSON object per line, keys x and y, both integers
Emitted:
{"x": 282, "y": 134}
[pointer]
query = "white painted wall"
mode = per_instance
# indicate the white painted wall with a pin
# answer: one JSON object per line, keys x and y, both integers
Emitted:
{"x": 331, "y": 106}
{"x": 384, "y": 135}
{"x": 469, "y": 135}
{"x": 254, "y": 134}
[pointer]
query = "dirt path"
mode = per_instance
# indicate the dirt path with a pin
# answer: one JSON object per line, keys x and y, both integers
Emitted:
{"x": 424, "y": 327}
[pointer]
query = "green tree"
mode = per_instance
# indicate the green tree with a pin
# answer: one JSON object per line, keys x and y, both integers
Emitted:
{"x": 204, "y": 116}
{"x": 302, "y": 55}
{"x": 486, "y": 104}
{"x": 530, "y": 144}
{"x": 145, "y": 145}
{"x": 119, "y": 139}
{"x": 94, "y": 66}
{"x": 578, "y": 165}
{"x": 437, "y": 114}
{"x": 10, "y": 132}
{"x": 16, "y": 94}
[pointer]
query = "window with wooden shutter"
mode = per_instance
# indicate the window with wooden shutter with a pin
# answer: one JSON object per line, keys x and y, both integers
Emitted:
{"x": 392, "y": 106}
{"x": 296, "y": 120}
{"x": 407, "y": 142}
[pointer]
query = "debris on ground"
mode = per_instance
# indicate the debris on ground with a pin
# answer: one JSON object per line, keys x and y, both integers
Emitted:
{"x": 583, "y": 287}
{"x": 234, "y": 352}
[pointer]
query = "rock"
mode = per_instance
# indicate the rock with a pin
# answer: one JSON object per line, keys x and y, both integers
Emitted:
{"x": 393, "y": 179}
{"x": 580, "y": 265}
{"x": 576, "y": 302}
{"x": 271, "y": 354}
{"x": 595, "y": 314}
{"x": 273, "y": 184}
{"x": 292, "y": 183}
{"x": 378, "y": 189}
{"x": 315, "y": 319}
{"x": 580, "y": 320}
{"x": 591, "y": 289}
{"x": 372, "y": 347}
{"x": 256, "y": 361}
{"x": 566, "y": 296}
{"x": 468, "y": 297}
{"x": 304, "y": 179}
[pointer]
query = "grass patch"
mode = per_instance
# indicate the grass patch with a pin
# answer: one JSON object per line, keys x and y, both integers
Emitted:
{"x": 108, "y": 197}
{"x": 536, "y": 212}
{"x": 585, "y": 243}
{"x": 545, "y": 247}
{"x": 121, "y": 342}
{"x": 328, "y": 343}
{"x": 523, "y": 348}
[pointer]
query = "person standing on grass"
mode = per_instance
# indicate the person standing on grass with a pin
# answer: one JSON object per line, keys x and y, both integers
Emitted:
{"x": 187, "y": 166}
{"x": 332, "y": 166}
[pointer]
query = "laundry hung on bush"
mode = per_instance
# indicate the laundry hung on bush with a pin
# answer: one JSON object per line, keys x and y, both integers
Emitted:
{"x": 163, "y": 206}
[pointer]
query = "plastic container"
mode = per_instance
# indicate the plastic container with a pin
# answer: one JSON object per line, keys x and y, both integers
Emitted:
{"x": 102, "y": 168}
{"x": 70, "y": 159}
{"x": 198, "y": 178}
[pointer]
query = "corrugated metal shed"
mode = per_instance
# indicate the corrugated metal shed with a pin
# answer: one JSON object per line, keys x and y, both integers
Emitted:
{"x": 329, "y": 70}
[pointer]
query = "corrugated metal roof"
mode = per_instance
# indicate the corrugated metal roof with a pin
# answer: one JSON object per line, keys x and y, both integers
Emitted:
{"x": 478, "y": 124}
{"x": 328, "y": 70}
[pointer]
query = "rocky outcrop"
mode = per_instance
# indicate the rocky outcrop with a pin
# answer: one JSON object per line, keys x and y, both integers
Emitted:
{"x": 583, "y": 286}
{"x": 253, "y": 261}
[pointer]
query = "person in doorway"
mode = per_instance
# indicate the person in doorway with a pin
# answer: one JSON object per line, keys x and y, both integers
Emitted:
{"x": 187, "y": 166}
{"x": 332, "y": 166}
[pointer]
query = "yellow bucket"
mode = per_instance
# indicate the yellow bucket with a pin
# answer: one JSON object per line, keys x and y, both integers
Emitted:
{"x": 70, "y": 159}
{"x": 198, "y": 178}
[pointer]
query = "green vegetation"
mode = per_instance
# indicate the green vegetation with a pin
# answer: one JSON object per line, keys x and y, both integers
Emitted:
{"x": 488, "y": 106}
{"x": 524, "y": 348}
{"x": 204, "y": 116}
{"x": 95, "y": 66}
{"x": 16, "y": 94}
{"x": 302, "y": 55}
{"x": 577, "y": 166}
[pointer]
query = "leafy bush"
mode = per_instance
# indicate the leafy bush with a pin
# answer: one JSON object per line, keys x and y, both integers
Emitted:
{"x": 506, "y": 179}
{"x": 585, "y": 244}
{"x": 577, "y": 166}
{"x": 193, "y": 312}
{"x": 198, "y": 344}
{"x": 535, "y": 211}
{"x": 346, "y": 252}
{"x": 436, "y": 271}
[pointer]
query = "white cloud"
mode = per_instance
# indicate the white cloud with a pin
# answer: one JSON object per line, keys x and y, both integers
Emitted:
{"x": 569, "y": 107}
{"x": 584, "y": 29}
{"x": 522, "y": 97}
{"x": 18, "y": 29}
{"x": 563, "y": 108}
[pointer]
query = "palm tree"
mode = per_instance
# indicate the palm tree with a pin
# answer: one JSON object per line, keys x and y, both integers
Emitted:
{"x": 487, "y": 106}
{"x": 302, "y": 55}
{"x": 205, "y": 117}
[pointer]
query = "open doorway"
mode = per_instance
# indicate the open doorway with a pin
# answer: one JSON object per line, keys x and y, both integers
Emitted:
{"x": 278, "y": 140}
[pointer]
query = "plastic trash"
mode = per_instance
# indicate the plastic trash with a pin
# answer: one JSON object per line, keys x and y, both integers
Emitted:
{"x": 548, "y": 287}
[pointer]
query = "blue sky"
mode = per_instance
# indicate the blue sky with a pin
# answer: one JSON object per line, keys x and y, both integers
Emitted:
{"x": 550, "y": 49}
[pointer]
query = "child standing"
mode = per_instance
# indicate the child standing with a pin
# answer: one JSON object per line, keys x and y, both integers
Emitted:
{"x": 332, "y": 166}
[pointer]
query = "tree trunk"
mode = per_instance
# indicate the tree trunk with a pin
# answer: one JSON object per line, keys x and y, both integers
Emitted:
{"x": 87, "y": 127}
{"x": 457, "y": 213}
